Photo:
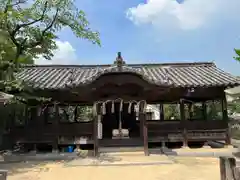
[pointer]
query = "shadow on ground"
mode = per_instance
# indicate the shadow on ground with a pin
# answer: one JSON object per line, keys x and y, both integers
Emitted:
{"x": 25, "y": 162}
{"x": 23, "y": 167}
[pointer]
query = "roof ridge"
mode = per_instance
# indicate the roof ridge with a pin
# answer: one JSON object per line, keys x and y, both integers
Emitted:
{"x": 179, "y": 64}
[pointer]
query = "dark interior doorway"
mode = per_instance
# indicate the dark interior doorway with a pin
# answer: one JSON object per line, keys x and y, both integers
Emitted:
{"x": 111, "y": 120}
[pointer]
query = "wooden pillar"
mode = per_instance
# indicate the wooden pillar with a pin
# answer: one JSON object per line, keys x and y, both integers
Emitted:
{"x": 95, "y": 138}
{"x": 141, "y": 126}
{"x": 225, "y": 118}
{"x": 56, "y": 128}
{"x": 184, "y": 124}
{"x": 34, "y": 148}
{"x": 204, "y": 110}
{"x": 190, "y": 106}
{"x": 142, "y": 118}
{"x": 161, "y": 110}
{"x": 36, "y": 121}
{"x": 95, "y": 130}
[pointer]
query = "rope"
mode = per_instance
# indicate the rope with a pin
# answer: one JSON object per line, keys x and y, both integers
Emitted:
{"x": 112, "y": 109}
{"x": 129, "y": 107}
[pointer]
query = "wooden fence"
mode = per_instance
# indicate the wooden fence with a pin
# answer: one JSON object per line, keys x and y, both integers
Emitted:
{"x": 229, "y": 169}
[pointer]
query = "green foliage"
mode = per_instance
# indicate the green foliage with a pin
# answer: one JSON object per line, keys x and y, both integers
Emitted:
{"x": 214, "y": 110}
{"x": 237, "y": 51}
{"x": 84, "y": 113}
{"x": 70, "y": 113}
{"x": 28, "y": 29}
{"x": 171, "y": 111}
{"x": 197, "y": 111}
{"x": 234, "y": 107}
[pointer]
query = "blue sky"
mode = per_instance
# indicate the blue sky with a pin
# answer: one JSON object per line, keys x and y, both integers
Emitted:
{"x": 156, "y": 31}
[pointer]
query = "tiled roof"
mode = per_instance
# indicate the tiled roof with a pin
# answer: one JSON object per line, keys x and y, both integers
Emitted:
{"x": 177, "y": 75}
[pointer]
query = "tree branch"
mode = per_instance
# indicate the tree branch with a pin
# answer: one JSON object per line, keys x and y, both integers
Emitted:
{"x": 8, "y": 5}
{"x": 45, "y": 30}
{"x": 19, "y": 26}
{"x": 11, "y": 5}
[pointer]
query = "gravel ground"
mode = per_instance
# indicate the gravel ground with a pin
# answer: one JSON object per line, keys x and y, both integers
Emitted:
{"x": 184, "y": 168}
{"x": 122, "y": 166}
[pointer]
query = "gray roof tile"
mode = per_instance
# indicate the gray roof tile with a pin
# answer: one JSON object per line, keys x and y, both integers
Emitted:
{"x": 177, "y": 75}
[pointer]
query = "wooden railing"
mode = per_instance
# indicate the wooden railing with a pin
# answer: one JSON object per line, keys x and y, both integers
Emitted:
{"x": 172, "y": 130}
{"x": 48, "y": 132}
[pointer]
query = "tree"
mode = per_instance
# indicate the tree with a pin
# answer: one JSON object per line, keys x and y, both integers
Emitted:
{"x": 28, "y": 29}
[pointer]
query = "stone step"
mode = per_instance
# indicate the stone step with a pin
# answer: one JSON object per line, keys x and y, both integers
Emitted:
{"x": 123, "y": 154}
{"x": 201, "y": 152}
{"x": 111, "y": 159}
{"x": 121, "y": 149}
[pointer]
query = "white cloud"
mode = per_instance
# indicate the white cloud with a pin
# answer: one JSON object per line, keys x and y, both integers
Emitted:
{"x": 190, "y": 14}
{"x": 65, "y": 54}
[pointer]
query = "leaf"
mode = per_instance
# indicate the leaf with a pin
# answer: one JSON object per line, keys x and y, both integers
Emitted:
{"x": 237, "y": 51}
